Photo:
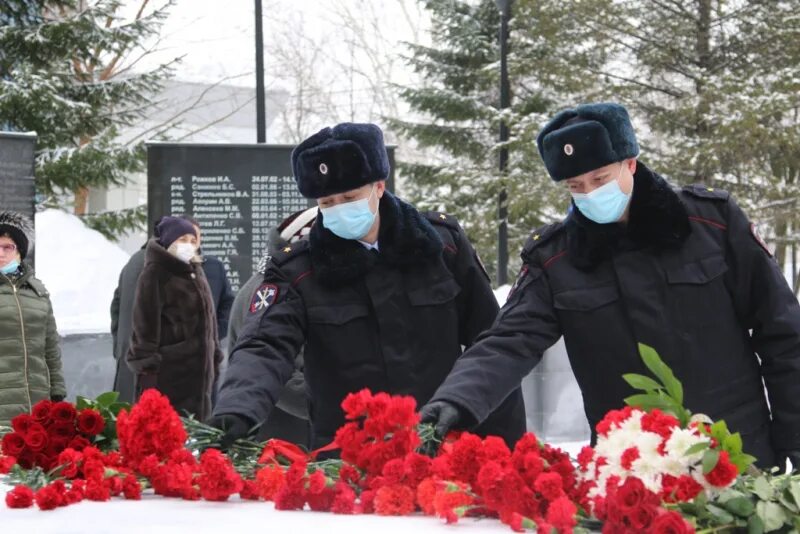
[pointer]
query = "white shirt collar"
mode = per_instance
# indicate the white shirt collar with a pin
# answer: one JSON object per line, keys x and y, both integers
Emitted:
{"x": 370, "y": 246}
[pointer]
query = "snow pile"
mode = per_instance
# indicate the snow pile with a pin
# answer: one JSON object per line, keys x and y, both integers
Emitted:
{"x": 80, "y": 269}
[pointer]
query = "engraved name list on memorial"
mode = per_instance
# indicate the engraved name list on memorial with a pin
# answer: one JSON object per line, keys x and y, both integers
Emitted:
{"x": 236, "y": 214}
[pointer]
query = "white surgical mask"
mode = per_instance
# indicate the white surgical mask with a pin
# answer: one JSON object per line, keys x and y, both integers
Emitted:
{"x": 183, "y": 251}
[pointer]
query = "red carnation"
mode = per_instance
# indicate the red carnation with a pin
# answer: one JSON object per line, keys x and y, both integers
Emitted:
{"x": 6, "y": 463}
{"x": 96, "y": 490}
{"x": 90, "y": 422}
{"x": 447, "y": 503}
{"x": 549, "y": 485}
{"x": 73, "y": 495}
{"x": 585, "y": 457}
{"x": 394, "y": 500}
{"x": 355, "y": 404}
{"x": 151, "y": 427}
{"x": 20, "y": 497}
{"x": 688, "y": 488}
{"x": 724, "y": 473}
{"x": 131, "y": 488}
{"x": 367, "y": 499}
{"x": 69, "y": 459}
{"x": 344, "y": 501}
{"x": 660, "y": 423}
{"x": 629, "y": 456}
{"x": 670, "y": 523}
{"x": 22, "y": 423}
{"x": 50, "y": 496}
{"x": 249, "y": 491}
{"x": 36, "y": 439}
{"x": 426, "y": 492}
{"x": 322, "y": 500}
{"x": 114, "y": 485}
{"x": 561, "y": 514}
{"x": 63, "y": 412}
{"x": 269, "y": 480}
{"x": 217, "y": 479}
{"x": 13, "y": 444}
{"x": 292, "y": 494}
{"x": 41, "y": 411}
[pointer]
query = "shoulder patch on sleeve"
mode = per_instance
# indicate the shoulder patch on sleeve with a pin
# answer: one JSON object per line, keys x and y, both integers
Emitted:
{"x": 437, "y": 217}
{"x": 263, "y": 297}
{"x": 706, "y": 192}
{"x": 287, "y": 252}
{"x": 541, "y": 236}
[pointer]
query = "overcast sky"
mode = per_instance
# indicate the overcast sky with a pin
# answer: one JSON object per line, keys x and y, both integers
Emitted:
{"x": 217, "y": 39}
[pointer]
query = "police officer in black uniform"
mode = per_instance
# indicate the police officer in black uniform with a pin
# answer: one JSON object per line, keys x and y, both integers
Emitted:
{"x": 382, "y": 296}
{"x": 638, "y": 261}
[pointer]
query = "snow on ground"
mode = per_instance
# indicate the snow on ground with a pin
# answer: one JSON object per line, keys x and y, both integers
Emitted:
{"x": 80, "y": 269}
{"x": 157, "y": 515}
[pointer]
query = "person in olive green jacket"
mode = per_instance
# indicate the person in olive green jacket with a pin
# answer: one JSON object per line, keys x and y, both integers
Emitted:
{"x": 30, "y": 358}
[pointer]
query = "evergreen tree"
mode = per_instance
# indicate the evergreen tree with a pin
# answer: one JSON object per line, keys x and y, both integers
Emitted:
{"x": 459, "y": 115}
{"x": 67, "y": 73}
{"x": 718, "y": 84}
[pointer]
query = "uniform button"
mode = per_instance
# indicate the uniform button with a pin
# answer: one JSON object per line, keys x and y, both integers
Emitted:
{"x": 711, "y": 189}
{"x": 194, "y": 275}
{"x": 323, "y": 169}
{"x": 568, "y": 149}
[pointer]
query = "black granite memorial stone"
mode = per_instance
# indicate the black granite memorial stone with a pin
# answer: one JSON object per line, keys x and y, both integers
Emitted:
{"x": 236, "y": 193}
{"x": 17, "y": 190}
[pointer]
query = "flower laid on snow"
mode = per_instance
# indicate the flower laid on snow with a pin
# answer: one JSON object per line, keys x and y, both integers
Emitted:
{"x": 655, "y": 468}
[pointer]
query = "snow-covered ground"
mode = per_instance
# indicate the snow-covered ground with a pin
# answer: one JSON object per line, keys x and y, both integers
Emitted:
{"x": 156, "y": 515}
{"x": 80, "y": 269}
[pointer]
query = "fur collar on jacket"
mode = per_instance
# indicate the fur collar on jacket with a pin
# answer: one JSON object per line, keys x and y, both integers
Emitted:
{"x": 154, "y": 253}
{"x": 405, "y": 238}
{"x": 657, "y": 219}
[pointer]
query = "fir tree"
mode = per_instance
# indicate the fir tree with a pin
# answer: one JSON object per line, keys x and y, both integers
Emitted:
{"x": 459, "y": 115}
{"x": 67, "y": 72}
{"x": 718, "y": 85}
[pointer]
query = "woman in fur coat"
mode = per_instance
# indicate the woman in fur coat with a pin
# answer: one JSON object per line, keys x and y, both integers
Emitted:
{"x": 175, "y": 346}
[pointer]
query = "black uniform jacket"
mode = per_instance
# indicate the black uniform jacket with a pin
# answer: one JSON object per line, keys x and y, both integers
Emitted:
{"x": 393, "y": 321}
{"x": 688, "y": 276}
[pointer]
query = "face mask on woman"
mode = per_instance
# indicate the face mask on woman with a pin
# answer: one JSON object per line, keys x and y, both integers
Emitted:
{"x": 10, "y": 268}
{"x": 183, "y": 251}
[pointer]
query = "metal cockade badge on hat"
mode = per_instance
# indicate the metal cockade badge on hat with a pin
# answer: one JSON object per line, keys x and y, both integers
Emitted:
{"x": 569, "y": 149}
{"x": 323, "y": 168}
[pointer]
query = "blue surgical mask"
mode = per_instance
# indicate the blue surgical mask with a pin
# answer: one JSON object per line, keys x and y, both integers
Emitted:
{"x": 10, "y": 268}
{"x": 604, "y": 205}
{"x": 351, "y": 220}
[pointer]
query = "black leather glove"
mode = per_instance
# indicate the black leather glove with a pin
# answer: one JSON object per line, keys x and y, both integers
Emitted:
{"x": 234, "y": 426}
{"x": 56, "y": 398}
{"x": 793, "y": 457}
{"x": 443, "y": 416}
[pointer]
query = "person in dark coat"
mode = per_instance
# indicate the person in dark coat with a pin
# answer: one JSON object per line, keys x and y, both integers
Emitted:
{"x": 382, "y": 296}
{"x": 638, "y": 261}
{"x": 174, "y": 347}
{"x": 221, "y": 292}
{"x": 122, "y": 324}
{"x": 289, "y": 419}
